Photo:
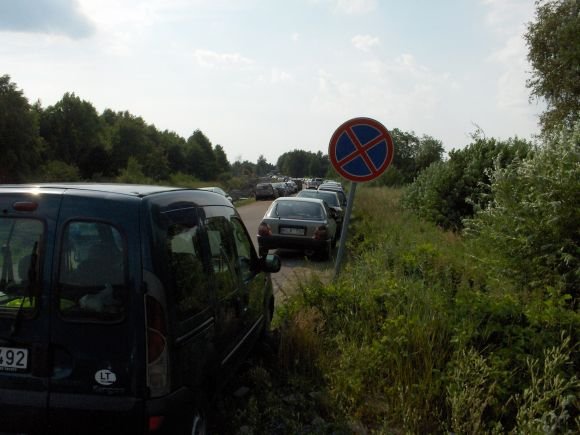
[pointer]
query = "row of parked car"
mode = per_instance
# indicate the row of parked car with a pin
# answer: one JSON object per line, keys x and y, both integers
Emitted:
{"x": 311, "y": 221}
{"x": 276, "y": 189}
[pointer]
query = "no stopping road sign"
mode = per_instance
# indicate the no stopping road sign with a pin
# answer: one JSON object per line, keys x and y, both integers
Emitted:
{"x": 361, "y": 149}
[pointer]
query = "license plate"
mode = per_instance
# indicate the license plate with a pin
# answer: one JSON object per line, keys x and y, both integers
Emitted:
{"x": 13, "y": 359}
{"x": 292, "y": 231}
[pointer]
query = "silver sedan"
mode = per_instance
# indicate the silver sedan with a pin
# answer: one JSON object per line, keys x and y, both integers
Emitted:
{"x": 306, "y": 224}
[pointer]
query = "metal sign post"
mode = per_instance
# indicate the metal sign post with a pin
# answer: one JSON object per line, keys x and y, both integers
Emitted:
{"x": 360, "y": 150}
{"x": 345, "y": 223}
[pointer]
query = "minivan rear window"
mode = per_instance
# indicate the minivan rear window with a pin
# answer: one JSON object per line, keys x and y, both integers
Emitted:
{"x": 92, "y": 274}
{"x": 20, "y": 260}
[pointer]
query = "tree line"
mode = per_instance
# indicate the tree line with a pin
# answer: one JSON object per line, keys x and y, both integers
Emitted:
{"x": 71, "y": 141}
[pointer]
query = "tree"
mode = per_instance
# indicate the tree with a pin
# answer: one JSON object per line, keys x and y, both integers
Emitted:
{"x": 206, "y": 166}
{"x": 72, "y": 130}
{"x": 262, "y": 166}
{"x": 554, "y": 51}
{"x": 223, "y": 166}
{"x": 130, "y": 138}
{"x": 300, "y": 163}
{"x": 430, "y": 150}
{"x": 406, "y": 145}
{"x": 19, "y": 140}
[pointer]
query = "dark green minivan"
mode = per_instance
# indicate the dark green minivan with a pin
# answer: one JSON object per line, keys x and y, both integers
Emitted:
{"x": 123, "y": 307}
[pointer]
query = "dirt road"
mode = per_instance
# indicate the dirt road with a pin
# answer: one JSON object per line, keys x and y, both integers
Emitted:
{"x": 294, "y": 264}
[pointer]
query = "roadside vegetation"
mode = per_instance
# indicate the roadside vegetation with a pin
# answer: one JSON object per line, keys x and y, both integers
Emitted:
{"x": 432, "y": 331}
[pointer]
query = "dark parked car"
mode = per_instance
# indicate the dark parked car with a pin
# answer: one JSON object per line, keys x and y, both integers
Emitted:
{"x": 298, "y": 223}
{"x": 331, "y": 198}
{"x": 281, "y": 188}
{"x": 123, "y": 307}
{"x": 298, "y": 182}
{"x": 333, "y": 187}
{"x": 266, "y": 191}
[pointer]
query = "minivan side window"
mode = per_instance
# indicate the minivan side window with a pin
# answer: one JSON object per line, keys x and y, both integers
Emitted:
{"x": 20, "y": 264}
{"x": 222, "y": 254}
{"x": 244, "y": 249}
{"x": 92, "y": 274}
{"x": 187, "y": 270}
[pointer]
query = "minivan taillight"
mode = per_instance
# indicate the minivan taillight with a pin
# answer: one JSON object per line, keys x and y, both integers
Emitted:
{"x": 157, "y": 358}
{"x": 155, "y": 422}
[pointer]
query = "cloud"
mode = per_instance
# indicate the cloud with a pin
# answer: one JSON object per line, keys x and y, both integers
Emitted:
{"x": 506, "y": 19}
{"x": 45, "y": 16}
{"x": 279, "y": 76}
{"x": 212, "y": 59}
{"x": 355, "y": 7}
{"x": 399, "y": 89}
{"x": 365, "y": 42}
{"x": 511, "y": 90}
{"x": 349, "y": 7}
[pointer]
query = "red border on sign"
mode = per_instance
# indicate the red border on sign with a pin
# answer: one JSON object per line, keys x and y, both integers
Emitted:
{"x": 360, "y": 149}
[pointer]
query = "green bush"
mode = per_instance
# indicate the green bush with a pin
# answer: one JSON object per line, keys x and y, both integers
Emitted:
{"x": 531, "y": 228}
{"x": 58, "y": 171}
{"x": 133, "y": 173}
{"x": 448, "y": 192}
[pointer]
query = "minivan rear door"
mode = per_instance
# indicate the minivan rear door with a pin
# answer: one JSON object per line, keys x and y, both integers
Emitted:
{"x": 96, "y": 346}
{"x": 27, "y": 228}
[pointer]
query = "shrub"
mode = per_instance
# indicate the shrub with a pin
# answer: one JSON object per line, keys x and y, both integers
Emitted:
{"x": 133, "y": 173}
{"x": 531, "y": 228}
{"x": 448, "y": 192}
{"x": 58, "y": 171}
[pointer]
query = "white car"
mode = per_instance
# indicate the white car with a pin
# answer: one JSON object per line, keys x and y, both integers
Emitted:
{"x": 219, "y": 190}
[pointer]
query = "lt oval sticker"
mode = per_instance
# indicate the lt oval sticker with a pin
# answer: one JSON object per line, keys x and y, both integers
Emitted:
{"x": 105, "y": 377}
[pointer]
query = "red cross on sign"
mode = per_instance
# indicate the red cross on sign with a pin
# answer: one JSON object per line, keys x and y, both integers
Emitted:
{"x": 361, "y": 149}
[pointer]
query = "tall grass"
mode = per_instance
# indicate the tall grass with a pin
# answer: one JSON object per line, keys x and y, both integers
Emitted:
{"x": 415, "y": 337}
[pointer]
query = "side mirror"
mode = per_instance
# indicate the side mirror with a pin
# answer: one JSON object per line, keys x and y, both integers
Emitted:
{"x": 271, "y": 263}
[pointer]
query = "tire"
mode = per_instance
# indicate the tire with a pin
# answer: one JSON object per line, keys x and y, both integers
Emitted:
{"x": 326, "y": 252}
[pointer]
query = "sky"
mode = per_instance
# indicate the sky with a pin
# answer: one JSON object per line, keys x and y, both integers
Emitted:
{"x": 265, "y": 77}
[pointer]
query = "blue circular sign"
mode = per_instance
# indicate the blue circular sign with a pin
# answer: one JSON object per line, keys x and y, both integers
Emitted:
{"x": 361, "y": 149}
